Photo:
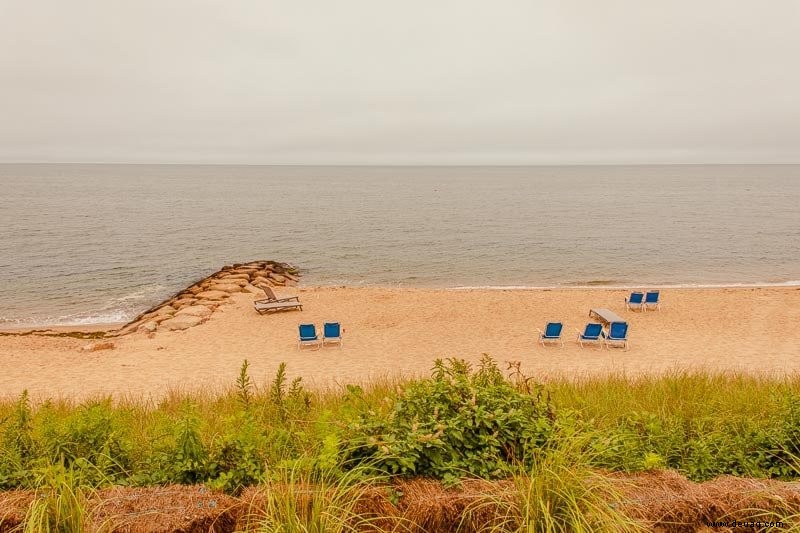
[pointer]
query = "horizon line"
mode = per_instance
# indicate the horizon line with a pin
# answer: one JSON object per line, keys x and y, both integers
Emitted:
{"x": 399, "y": 165}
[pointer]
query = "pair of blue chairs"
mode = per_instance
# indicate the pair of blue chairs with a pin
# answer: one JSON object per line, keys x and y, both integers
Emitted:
{"x": 642, "y": 302}
{"x": 592, "y": 334}
{"x": 331, "y": 334}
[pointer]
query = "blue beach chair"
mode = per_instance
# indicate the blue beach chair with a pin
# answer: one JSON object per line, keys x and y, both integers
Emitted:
{"x": 635, "y": 301}
{"x": 308, "y": 336}
{"x": 592, "y": 334}
{"x": 617, "y": 335}
{"x": 332, "y": 333}
{"x": 551, "y": 333}
{"x": 651, "y": 300}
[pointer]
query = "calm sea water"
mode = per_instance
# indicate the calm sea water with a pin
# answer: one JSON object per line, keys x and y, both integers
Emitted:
{"x": 99, "y": 243}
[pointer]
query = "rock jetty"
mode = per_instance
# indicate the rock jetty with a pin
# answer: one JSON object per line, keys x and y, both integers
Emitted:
{"x": 196, "y": 303}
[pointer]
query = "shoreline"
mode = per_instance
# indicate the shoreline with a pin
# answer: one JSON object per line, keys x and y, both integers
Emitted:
{"x": 74, "y": 328}
{"x": 111, "y": 326}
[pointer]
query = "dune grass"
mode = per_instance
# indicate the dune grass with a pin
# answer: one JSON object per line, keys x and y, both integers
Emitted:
{"x": 550, "y": 438}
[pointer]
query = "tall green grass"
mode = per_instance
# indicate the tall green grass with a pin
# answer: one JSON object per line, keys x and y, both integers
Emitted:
{"x": 294, "y": 500}
{"x": 61, "y": 502}
{"x": 452, "y": 424}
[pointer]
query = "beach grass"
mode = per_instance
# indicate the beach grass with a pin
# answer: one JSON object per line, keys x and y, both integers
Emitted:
{"x": 557, "y": 443}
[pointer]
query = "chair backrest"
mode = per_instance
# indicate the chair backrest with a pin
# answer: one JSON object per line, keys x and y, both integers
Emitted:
{"x": 636, "y": 298}
{"x": 307, "y": 331}
{"x": 268, "y": 291}
{"x": 593, "y": 330}
{"x": 652, "y": 297}
{"x": 617, "y": 330}
{"x": 553, "y": 329}
{"x": 332, "y": 329}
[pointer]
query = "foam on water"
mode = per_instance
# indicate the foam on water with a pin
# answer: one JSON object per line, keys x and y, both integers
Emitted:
{"x": 115, "y": 311}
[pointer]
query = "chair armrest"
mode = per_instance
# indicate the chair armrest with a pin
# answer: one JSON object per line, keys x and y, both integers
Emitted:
{"x": 277, "y": 300}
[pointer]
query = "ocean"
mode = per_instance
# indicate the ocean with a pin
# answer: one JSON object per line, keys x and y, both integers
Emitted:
{"x": 83, "y": 244}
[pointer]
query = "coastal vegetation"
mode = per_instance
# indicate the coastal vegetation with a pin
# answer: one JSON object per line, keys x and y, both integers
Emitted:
{"x": 515, "y": 453}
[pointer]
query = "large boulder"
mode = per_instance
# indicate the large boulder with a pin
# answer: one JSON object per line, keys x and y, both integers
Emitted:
{"x": 128, "y": 328}
{"x": 232, "y": 287}
{"x": 245, "y": 270}
{"x": 195, "y": 310}
{"x": 161, "y": 313}
{"x": 261, "y": 280}
{"x": 148, "y": 327}
{"x": 181, "y": 322}
{"x": 232, "y": 281}
{"x": 245, "y": 277}
{"x": 213, "y": 295}
{"x": 253, "y": 290}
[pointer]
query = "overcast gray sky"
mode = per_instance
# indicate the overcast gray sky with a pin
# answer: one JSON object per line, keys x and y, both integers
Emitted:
{"x": 401, "y": 82}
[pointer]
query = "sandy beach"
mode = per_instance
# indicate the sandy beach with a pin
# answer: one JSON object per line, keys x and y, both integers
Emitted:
{"x": 400, "y": 332}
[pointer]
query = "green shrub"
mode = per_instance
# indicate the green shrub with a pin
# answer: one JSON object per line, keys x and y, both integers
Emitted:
{"x": 460, "y": 422}
{"x": 236, "y": 460}
{"x": 17, "y": 447}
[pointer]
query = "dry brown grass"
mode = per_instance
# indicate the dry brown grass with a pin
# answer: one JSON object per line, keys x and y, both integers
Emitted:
{"x": 664, "y": 501}
{"x": 670, "y": 502}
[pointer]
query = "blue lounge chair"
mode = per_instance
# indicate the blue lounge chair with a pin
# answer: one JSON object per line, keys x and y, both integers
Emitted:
{"x": 551, "y": 333}
{"x": 308, "y": 336}
{"x": 332, "y": 333}
{"x": 617, "y": 335}
{"x": 635, "y": 301}
{"x": 592, "y": 334}
{"x": 651, "y": 300}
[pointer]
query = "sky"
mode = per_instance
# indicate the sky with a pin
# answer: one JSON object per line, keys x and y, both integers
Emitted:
{"x": 402, "y": 82}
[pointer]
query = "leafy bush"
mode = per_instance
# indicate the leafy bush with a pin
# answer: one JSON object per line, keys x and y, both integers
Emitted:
{"x": 237, "y": 459}
{"x": 457, "y": 423}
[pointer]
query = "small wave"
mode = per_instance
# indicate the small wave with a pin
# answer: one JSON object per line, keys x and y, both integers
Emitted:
{"x": 79, "y": 319}
{"x": 119, "y": 309}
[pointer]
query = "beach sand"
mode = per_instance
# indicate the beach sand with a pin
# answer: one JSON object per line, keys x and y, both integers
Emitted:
{"x": 400, "y": 332}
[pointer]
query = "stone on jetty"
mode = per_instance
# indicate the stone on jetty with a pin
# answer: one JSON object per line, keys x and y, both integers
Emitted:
{"x": 195, "y": 310}
{"x": 148, "y": 327}
{"x": 196, "y": 303}
{"x": 252, "y": 289}
{"x": 245, "y": 277}
{"x": 229, "y": 288}
{"x": 213, "y": 295}
{"x": 181, "y": 322}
